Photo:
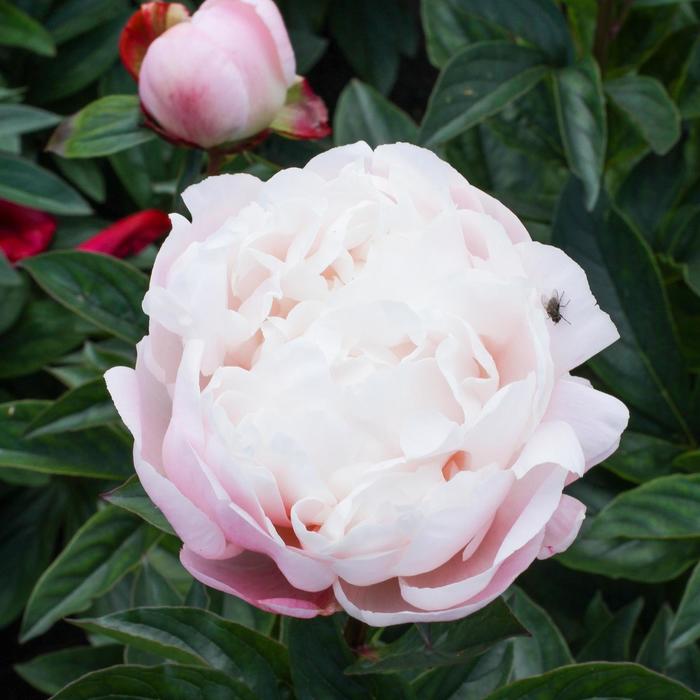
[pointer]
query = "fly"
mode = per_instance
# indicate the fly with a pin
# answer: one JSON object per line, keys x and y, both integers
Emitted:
{"x": 553, "y": 306}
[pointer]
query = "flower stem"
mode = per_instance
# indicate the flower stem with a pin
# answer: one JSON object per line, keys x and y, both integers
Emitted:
{"x": 355, "y": 633}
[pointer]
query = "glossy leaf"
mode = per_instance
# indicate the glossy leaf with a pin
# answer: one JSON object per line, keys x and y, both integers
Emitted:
{"x": 664, "y": 508}
{"x": 646, "y": 104}
{"x": 593, "y": 681}
{"x": 476, "y": 83}
{"x": 643, "y": 457}
{"x": 106, "y": 291}
{"x": 131, "y": 497}
{"x": 198, "y": 637}
{"x": 50, "y": 672}
{"x": 580, "y": 105}
{"x": 169, "y": 681}
{"x": 98, "y": 453}
{"x": 363, "y": 114}
{"x": 442, "y": 644}
{"x": 108, "y": 546}
{"x": 26, "y": 183}
{"x": 686, "y": 625}
{"x": 108, "y": 125}
{"x": 19, "y": 29}
{"x": 86, "y": 406}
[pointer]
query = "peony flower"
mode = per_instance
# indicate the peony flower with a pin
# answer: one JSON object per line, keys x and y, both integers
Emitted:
{"x": 356, "y": 393}
{"x": 222, "y": 78}
{"x": 129, "y": 235}
{"x": 24, "y": 231}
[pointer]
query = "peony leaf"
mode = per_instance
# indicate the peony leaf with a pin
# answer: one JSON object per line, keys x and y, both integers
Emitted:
{"x": 686, "y": 625}
{"x": 612, "y": 641}
{"x": 20, "y": 30}
{"x": 199, "y": 637}
{"x": 108, "y": 125}
{"x": 131, "y": 496}
{"x": 478, "y": 82}
{"x": 23, "y": 119}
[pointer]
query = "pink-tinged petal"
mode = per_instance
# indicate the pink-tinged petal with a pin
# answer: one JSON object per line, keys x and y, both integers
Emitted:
{"x": 598, "y": 419}
{"x": 330, "y": 164}
{"x": 144, "y": 27}
{"x": 256, "y": 579}
{"x": 585, "y": 329}
{"x": 383, "y": 604}
{"x": 143, "y": 406}
{"x": 511, "y": 223}
{"x": 553, "y": 442}
{"x": 562, "y": 527}
{"x": 129, "y": 235}
{"x": 304, "y": 115}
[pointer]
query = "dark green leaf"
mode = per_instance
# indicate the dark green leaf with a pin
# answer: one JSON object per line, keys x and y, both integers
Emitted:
{"x": 363, "y": 114}
{"x": 595, "y": 681}
{"x": 86, "y": 175}
{"x": 23, "y": 119}
{"x": 642, "y": 457}
{"x": 19, "y": 29}
{"x": 75, "y": 17}
{"x": 106, "y": 291}
{"x": 79, "y": 62}
{"x": 664, "y": 508}
{"x": 50, "y": 672}
{"x": 476, "y": 83}
{"x": 581, "y": 112}
{"x": 99, "y": 453}
{"x": 108, "y": 125}
{"x": 26, "y": 183}
{"x": 654, "y": 649}
{"x": 13, "y": 291}
{"x": 689, "y": 92}
{"x": 152, "y": 588}
{"x": 131, "y": 496}
{"x": 108, "y": 546}
{"x": 644, "y": 367}
{"x": 86, "y": 406}
{"x": 442, "y": 644}
{"x": 28, "y": 531}
{"x": 169, "y": 681}
{"x": 612, "y": 641}
{"x": 43, "y": 333}
{"x": 308, "y": 48}
{"x": 545, "y": 649}
{"x": 647, "y": 105}
{"x": 686, "y": 625}
{"x": 450, "y": 25}
{"x": 196, "y": 636}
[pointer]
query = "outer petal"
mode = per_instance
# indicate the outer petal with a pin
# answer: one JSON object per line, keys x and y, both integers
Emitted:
{"x": 255, "y": 578}
{"x": 304, "y": 115}
{"x": 563, "y": 527}
{"x": 511, "y": 223}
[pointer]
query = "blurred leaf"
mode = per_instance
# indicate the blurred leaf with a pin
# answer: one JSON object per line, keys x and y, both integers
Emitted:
{"x": 86, "y": 175}
{"x": 26, "y": 183}
{"x": 475, "y": 678}
{"x": 580, "y": 107}
{"x": 450, "y": 25}
{"x": 308, "y": 49}
{"x": 131, "y": 496}
{"x": 98, "y": 453}
{"x": 653, "y": 650}
{"x": 13, "y": 291}
{"x": 582, "y": 17}
{"x": 23, "y": 119}
{"x": 75, "y": 17}
{"x": 476, "y": 83}
{"x": 43, "y": 333}
{"x": 442, "y": 643}
{"x": 371, "y": 36}
{"x": 664, "y": 508}
{"x": 642, "y": 457}
{"x": 686, "y": 625}
{"x": 647, "y": 105}
{"x": 108, "y": 125}
{"x": 198, "y": 637}
{"x": 684, "y": 665}
{"x": 79, "y": 62}
{"x": 28, "y": 532}
{"x": 594, "y": 681}
{"x": 612, "y": 642}
{"x": 689, "y": 91}
{"x": 546, "y": 648}
{"x": 169, "y": 681}
{"x": 106, "y": 291}
{"x": 20, "y": 30}
{"x": 50, "y": 672}
{"x": 108, "y": 546}
{"x": 644, "y": 367}
{"x": 363, "y": 114}
{"x": 86, "y": 406}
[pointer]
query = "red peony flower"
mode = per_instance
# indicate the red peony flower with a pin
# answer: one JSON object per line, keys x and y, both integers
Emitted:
{"x": 129, "y": 235}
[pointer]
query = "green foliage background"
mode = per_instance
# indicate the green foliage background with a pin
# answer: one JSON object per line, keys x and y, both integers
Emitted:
{"x": 583, "y": 117}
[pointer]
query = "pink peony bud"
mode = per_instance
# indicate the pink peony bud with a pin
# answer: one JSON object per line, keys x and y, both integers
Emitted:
{"x": 220, "y": 77}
